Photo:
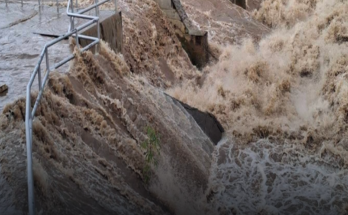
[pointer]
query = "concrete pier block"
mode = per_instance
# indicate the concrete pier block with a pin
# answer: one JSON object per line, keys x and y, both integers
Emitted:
{"x": 165, "y": 4}
{"x": 194, "y": 41}
{"x": 110, "y": 32}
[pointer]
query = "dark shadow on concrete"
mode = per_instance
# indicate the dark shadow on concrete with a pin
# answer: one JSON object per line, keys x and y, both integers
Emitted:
{"x": 240, "y": 3}
{"x": 196, "y": 47}
{"x": 206, "y": 121}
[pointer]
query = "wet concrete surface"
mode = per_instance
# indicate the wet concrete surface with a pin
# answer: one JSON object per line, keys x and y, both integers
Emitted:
{"x": 21, "y": 43}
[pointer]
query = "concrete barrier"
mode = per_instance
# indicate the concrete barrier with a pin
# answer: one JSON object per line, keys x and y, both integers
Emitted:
{"x": 196, "y": 47}
{"x": 193, "y": 40}
{"x": 206, "y": 121}
{"x": 110, "y": 32}
{"x": 240, "y": 3}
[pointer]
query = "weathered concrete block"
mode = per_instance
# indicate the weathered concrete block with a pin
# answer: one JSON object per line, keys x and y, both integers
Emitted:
{"x": 110, "y": 32}
{"x": 241, "y": 3}
{"x": 171, "y": 14}
{"x": 206, "y": 121}
{"x": 165, "y": 4}
{"x": 194, "y": 41}
{"x": 196, "y": 47}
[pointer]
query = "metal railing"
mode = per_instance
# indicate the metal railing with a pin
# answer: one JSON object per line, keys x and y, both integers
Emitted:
{"x": 30, "y": 112}
{"x": 6, "y": 2}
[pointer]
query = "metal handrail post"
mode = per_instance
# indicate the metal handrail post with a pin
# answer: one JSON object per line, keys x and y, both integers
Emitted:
{"x": 22, "y": 2}
{"x": 39, "y": 77}
{"x": 77, "y": 41}
{"x": 72, "y": 21}
{"x": 28, "y": 131}
{"x": 96, "y": 8}
{"x": 6, "y": 2}
{"x": 57, "y": 4}
{"x": 47, "y": 62}
{"x": 77, "y": 6}
{"x": 97, "y": 47}
{"x": 98, "y": 26}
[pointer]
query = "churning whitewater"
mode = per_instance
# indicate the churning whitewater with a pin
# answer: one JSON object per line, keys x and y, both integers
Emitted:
{"x": 283, "y": 103}
{"x": 277, "y": 82}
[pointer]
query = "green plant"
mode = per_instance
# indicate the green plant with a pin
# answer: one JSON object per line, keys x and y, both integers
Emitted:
{"x": 152, "y": 147}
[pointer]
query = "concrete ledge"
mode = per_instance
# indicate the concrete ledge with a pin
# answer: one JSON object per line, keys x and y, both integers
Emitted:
{"x": 171, "y": 14}
{"x": 165, "y": 4}
{"x": 206, "y": 121}
{"x": 196, "y": 47}
{"x": 110, "y": 32}
{"x": 193, "y": 40}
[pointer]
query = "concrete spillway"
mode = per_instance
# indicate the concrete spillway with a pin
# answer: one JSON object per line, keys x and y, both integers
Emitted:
{"x": 193, "y": 40}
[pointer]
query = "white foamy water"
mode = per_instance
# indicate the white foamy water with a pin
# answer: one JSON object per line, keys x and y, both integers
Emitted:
{"x": 6, "y": 197}
{"x": 284, "y": 88}
{"x": 267, "y": 178}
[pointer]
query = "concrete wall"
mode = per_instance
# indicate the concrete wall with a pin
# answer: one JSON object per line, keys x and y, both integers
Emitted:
{"x": 196, "y": 46}
{"x": 240, "y": 3}
{"x": 194, "y": 41}
{"x": 110, "y": 32}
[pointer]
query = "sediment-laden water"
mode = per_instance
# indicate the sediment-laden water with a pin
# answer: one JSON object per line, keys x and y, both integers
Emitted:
{"x": 278, "y": 86}
{"x": 283, "y": 103}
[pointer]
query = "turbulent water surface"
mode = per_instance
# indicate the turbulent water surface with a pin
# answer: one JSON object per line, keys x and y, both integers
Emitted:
{"x": 278, "y": 85}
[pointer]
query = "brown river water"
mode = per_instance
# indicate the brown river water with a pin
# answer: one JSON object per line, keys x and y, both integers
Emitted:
{"x": 278, "y": 86}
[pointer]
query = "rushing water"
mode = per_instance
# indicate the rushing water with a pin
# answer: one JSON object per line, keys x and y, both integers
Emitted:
{"x": 269, "y": 178}
{"x": 290, "y": 88}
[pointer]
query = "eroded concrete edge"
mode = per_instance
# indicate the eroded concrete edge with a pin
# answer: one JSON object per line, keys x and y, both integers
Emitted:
{"x": 193, "y": 40}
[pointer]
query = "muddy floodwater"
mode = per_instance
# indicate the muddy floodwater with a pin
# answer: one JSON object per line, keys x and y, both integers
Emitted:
{"x": 21, "y": 45}
{"x": 23, "y": 33}
{"x": 110, "y": 137}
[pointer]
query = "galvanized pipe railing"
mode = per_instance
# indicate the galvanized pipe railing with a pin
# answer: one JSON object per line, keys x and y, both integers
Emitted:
{"x": 30, "y": 112}
{"x": 6, "y": 2}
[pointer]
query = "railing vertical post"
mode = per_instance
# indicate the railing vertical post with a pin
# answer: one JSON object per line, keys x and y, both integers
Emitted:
{"x": 97, "y": 47}
{"x": 115, "y": 6}
{"x": 98, "y": 27}
{"x": 96, "y": 8}
{"x": 39, "y": 77}
{"x": 39, "y": 4}
{"x": 28, "y": 130}
{"x": 47, "y": 61}
{"x": 6, "y": 2}
{"x": 57, "y": 4}
{"x": 77, "y": 41}
{"x": 22, "y": 2}
{"x": 77, "y": 6}
{"x": 72, "y": 24}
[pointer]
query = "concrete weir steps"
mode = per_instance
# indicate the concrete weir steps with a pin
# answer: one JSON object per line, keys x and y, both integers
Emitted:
{"x": 76, "y": 30}
{"x": 206, "y": 121}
